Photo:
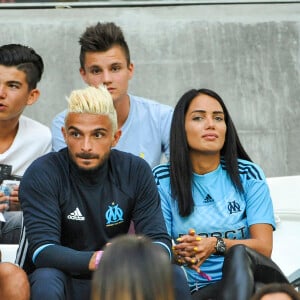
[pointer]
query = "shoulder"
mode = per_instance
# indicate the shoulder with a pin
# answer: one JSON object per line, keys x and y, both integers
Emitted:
{"x": 250, "y": 171}
{"x": 28, "y": 123}
{"x": 49, "y": 172}
{"x": 161, "y": 173}
{"x": 129, "y": 171}
{"x": 61, "y": 114}
{"x": 60, "y": 117}
{"x": 126, "y": 157}
{"x": 150, "y": 104}
{"x": 35, "y": 129}
{"x": 126, "y": 161}
{"x": 49, "y": 168}
{"x": 50, "y": 161}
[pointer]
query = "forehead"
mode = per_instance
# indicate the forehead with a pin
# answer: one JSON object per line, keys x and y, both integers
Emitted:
{"x": 11, "y": 73}
{"x": 205, "y": 103}
{"x": 276, "y": 296}
{"x": 86, "y": 122}
{"x": 113, "y": 55}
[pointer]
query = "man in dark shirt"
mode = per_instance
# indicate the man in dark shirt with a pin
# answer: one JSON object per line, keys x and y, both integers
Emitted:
{"x": 74, "y": 201}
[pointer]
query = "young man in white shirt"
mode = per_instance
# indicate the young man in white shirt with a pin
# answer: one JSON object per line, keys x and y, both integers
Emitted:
{"x": 22, "y": 139}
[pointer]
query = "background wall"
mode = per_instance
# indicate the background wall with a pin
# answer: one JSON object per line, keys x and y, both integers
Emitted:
{"x": 248, "y": 53}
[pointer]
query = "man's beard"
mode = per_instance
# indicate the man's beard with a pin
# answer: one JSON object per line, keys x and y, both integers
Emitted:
{"x": 87, "y": 155}
{"x": 91, "y": 156}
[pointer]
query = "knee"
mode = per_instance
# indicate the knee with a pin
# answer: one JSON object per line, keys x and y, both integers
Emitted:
{"x": 237, "y": 250}
{"x": 244, "y": 252}
{"x": 14, "y": 218}
{"x": 42, "y": 278}
{"x": 181, "y": 287}
{"x": 238, "y": 255}
{"x": 14, "y": 284}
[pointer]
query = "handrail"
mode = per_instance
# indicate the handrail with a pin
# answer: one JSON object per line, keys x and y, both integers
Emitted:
{"x": 132, "y": 3}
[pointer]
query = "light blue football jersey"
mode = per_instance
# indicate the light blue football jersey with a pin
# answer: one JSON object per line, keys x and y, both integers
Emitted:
{"x": 220, "y": 210}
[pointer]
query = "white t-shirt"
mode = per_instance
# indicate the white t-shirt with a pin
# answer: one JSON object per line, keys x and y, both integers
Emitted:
{"x": 33, "y": 139}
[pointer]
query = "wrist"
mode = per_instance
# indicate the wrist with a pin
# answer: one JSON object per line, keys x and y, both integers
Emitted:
{"x": 98, "y": 258}
{"x": 220, "y": 247}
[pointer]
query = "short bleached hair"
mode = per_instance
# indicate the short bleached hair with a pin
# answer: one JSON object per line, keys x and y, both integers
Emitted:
{"x": 92, "y": 100}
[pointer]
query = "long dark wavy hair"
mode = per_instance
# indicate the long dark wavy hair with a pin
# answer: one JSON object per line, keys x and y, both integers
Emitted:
{"x": 181, "y": 170}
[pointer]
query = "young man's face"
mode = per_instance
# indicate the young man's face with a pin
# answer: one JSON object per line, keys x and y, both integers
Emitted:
{"x": 109, "y": 68}
{"x": 89, "y": 139}
{"x": 14, "y": 93}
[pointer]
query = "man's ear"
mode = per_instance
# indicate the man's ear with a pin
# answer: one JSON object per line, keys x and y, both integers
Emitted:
{"x": 131, "y": 70}
{"x": 64, "y": 133}
{"x": 116, "y": 137}
{"x": 83, "y": 74}
{"x": 33, "y": 96}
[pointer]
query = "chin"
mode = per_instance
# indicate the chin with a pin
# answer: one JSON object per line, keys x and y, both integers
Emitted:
{"x": 88, "y": 168}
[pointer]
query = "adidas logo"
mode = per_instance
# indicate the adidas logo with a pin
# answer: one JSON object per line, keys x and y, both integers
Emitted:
{"x": 76, "y": 215}
{"x": 208, "y": 199}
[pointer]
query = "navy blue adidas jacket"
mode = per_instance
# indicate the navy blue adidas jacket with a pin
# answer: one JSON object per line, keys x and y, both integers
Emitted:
{"x": 80, "y": 211}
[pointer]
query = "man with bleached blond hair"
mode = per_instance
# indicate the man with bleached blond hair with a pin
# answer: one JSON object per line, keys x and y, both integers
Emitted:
{"x": 77, "y": 199}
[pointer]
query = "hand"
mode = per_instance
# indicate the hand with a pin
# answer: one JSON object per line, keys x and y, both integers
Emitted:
{"x": 92, "y": 263}
{"x": 193, "y": 250}
{"x": 3, "y": 198}
{"x": 14, "y": 199}
{"x": 95, "y": 259}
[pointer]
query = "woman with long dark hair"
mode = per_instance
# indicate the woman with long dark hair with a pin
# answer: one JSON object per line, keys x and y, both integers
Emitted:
{"x": 216, "y": 202}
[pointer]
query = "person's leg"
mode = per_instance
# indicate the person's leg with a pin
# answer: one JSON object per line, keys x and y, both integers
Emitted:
{"x": 80, "y": 289}
{"x": 242, "y": 268}
{"x": 11, "y": 229}
{"x": 210, "y": 292}
{"x": 14, "y": 284}
{"x": 238, "y": 276}
{"x": 181, "y": 286}
{"x": 49, "y": 284}
{"x": 266, "y": 270}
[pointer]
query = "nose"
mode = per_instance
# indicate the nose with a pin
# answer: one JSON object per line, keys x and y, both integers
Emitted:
{"x": 86, "y": 145}
{"x": 210, "y": 122}
{"x": 106, "y": 76}
{"x": 2, "y": 91}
